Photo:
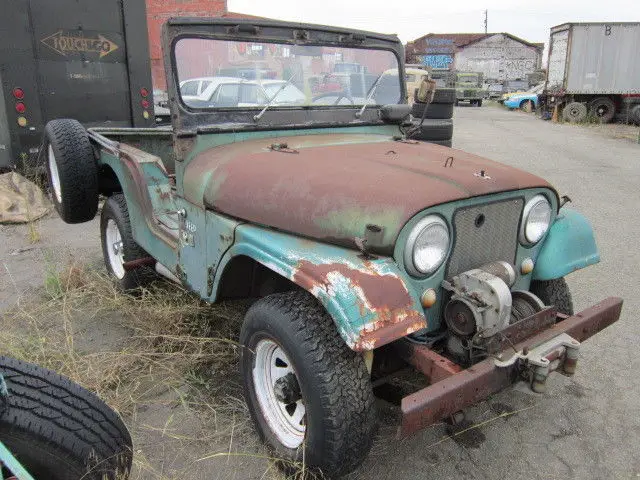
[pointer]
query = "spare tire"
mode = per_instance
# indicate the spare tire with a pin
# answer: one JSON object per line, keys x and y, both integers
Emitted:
{"x": 434, "y": 110}
{"x": 433, "y": 130}
{"x": 58, "y": 430}
{"x": 71, "y": 170}
{"x": 444, "y": 95}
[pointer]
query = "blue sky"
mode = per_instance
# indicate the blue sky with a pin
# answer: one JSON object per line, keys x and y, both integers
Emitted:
{"x": 410, "y": 19}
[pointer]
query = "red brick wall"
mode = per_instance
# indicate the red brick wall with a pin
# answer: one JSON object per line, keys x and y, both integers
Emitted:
{"x": 158, "y": 11}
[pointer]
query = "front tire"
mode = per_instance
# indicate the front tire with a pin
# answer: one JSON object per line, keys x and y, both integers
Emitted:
{"x": 58, "y": 430}
{"x": 118, "y": 245}
{"x": 554, "y": 292}
{"x": 309, "y": 395}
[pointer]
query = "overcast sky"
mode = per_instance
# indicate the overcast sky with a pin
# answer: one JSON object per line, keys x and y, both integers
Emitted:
{"x": 411, "y": 19}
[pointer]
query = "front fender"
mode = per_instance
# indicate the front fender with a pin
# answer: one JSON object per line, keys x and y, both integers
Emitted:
{"x": 569, "y": 246}
{"x": 368, "y": 299}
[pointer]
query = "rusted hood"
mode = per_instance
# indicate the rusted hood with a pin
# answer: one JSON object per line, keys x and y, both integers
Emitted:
{"x": 334, "y": 185}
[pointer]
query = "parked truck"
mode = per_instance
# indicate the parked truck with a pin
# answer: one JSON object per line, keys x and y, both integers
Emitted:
{"x": 86, "y": 61}
{"x": 594, "y": 71}
{"x": 469, "y": 88}
{"x": 453, "y": 264}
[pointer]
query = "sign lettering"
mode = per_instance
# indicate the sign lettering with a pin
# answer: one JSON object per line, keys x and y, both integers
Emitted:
{"x": 64, "y": 43}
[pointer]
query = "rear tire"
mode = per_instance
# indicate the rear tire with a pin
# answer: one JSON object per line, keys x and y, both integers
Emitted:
{"x": 602, "y": 109}
{"x": 118, "y": 245}
{"x": 58, "y": 430}
{"x": 554, "y": 292}
{"x": 575, "y": 112}
{"x": 290, "y": 336}
{"x": 71, "y": 170}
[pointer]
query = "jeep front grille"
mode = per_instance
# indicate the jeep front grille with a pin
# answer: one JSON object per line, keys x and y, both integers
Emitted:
{"x": 484, "y": 233}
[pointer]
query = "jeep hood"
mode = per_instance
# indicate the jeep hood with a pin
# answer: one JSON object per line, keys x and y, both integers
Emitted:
{"x": 329, "y": 187}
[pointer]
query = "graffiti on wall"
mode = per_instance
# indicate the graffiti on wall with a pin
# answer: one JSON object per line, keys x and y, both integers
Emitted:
{"x": 436, "y": 61}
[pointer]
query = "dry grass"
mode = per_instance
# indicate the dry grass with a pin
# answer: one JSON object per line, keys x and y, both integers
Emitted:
{"x": 170, "y": 368}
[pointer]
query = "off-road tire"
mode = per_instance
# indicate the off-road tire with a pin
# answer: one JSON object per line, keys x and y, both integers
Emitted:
{"x": 554, "y": 292}
{"x": 341, "y": 419}
{"x": 115, "y": 208}
{"x": 58, "y": 430}
{"x": 574, "y": 112}
{"x": 444, "y": 95}
{"x": 77, "y": 172}
{"x": 433, "y": 130}
{"x": 440, "y": 111}
{"x": 605, "y": 103}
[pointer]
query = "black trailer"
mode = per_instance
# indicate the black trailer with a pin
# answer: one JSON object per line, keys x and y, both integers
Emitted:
{"x": 86, "y": 59}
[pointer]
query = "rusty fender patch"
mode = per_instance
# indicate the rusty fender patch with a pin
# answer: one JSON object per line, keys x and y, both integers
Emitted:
{"x": 377, "y": 304}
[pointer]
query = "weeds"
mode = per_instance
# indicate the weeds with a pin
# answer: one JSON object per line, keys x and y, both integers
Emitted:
{"x": 170, "y": 368}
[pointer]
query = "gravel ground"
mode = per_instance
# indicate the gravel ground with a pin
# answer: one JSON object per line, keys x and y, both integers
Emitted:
{"x": 586, "y": 427}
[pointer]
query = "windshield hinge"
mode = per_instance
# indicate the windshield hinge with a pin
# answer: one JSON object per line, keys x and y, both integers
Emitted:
{"x": 353, "y": 38}
{"x": 253, "y": 29}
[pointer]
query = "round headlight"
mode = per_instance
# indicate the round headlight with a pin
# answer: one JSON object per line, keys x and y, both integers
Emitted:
{"x": 536, "y": 218}
{"x": 427, "y": 246}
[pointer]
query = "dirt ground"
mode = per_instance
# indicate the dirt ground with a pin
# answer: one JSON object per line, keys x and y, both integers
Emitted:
{"x": 193, "y": 424}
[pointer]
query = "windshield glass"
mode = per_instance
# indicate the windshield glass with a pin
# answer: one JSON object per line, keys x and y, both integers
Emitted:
{"x": 248, "y": 74}
{"x": 467, "y": 79}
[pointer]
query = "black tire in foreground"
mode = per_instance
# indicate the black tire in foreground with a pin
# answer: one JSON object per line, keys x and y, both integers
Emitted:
{"x": 444, "y": 95}
{"x": 441, "y": 111}
{"x": 71, "y": 170}
{"x": 554, "y": 292}
{"x": 318, "y": 406}
{"x": 58, "y": 430}
{"x": 118, "y": 245}
{"x": 433, "y": 130}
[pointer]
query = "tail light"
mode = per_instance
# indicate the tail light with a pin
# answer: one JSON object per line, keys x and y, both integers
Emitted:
{"x": 144, "y": 92}
{"x": 20, "y": 107}
{"x": 18, "y": 93}
{"x": 145, "y": 103}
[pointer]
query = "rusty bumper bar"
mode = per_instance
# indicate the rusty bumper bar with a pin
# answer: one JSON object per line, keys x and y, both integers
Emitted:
{"x": 460, "y": 390}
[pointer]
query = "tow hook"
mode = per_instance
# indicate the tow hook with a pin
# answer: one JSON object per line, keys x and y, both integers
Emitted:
{"x": 558, "y": 354}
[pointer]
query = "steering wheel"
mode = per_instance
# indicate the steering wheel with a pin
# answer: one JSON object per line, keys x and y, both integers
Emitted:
{"x": 339, "y": 95}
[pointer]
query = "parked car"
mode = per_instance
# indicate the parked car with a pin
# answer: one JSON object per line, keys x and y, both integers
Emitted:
{"x": 364, "y": 251}
{"x": 526, "y": 101}
{"x": 213, "y": 92}
{"x": 494, "y": 91}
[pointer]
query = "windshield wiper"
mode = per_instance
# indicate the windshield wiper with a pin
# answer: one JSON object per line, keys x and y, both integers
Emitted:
{"x": 371, "y": 92}
{"x": 273, "y": 99}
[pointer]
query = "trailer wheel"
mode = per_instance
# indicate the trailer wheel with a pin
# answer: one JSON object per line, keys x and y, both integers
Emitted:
{"x": 58, "y": 430}
{"x": 602, "y": 109}
{"x": 118, "y": 245}
{"x": 575, "y": 112}
{"x": 71, "y": 170}
{"x": 308, "y": 393}
{"x": 635, "y": 114}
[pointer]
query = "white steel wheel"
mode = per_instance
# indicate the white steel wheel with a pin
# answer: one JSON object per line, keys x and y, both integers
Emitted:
{"x": 115, "y": 248}
{"x": 278, "y": 393}
{"x": 55, "y": 175}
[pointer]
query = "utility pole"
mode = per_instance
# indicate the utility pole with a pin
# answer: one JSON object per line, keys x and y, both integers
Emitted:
{"x": 486, "y": 20}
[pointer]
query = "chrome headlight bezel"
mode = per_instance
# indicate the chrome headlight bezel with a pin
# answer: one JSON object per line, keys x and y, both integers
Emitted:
{"x": 535, "y": 202}
{"x": 430, "y": 221}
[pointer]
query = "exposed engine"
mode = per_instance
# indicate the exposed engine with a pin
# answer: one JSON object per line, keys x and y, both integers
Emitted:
{"x": 481, "y": 305}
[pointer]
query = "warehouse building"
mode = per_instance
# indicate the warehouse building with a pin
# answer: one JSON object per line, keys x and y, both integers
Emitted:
{"x": 499, "y": 56}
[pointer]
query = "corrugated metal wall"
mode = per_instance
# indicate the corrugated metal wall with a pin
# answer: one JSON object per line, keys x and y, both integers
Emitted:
{"x": 499, "y": 57}
{"x": 604, "y": 58}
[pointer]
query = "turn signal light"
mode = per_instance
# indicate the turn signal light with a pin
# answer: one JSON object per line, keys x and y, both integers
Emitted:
{"x": 146, "y": 115}
{"x": 20, "y": 107}
{"x": 22, "y": 121}
{"x": 18, "y": 93}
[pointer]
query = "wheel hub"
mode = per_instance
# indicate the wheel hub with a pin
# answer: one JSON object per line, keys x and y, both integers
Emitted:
{"x": 287, "y": 389}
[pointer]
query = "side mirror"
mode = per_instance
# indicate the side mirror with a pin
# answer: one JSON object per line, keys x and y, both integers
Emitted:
{"x": 426, "y": 91}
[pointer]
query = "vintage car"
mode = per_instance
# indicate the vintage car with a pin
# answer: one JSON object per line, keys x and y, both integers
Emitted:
{"x": 365, "y": 250}
{"x": 526, "y": 101}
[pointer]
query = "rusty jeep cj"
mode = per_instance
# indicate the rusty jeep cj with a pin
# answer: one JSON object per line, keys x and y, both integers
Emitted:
{"x": 366, "y": 250}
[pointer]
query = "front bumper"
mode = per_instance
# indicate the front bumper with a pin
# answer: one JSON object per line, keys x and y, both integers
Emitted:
{"x": 453, "y": 389}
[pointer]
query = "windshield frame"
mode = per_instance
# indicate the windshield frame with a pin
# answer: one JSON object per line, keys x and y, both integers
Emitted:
{"x": 276, "y": 32}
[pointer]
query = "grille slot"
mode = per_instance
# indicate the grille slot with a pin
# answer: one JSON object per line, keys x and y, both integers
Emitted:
{"x": 484, "y": 233}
